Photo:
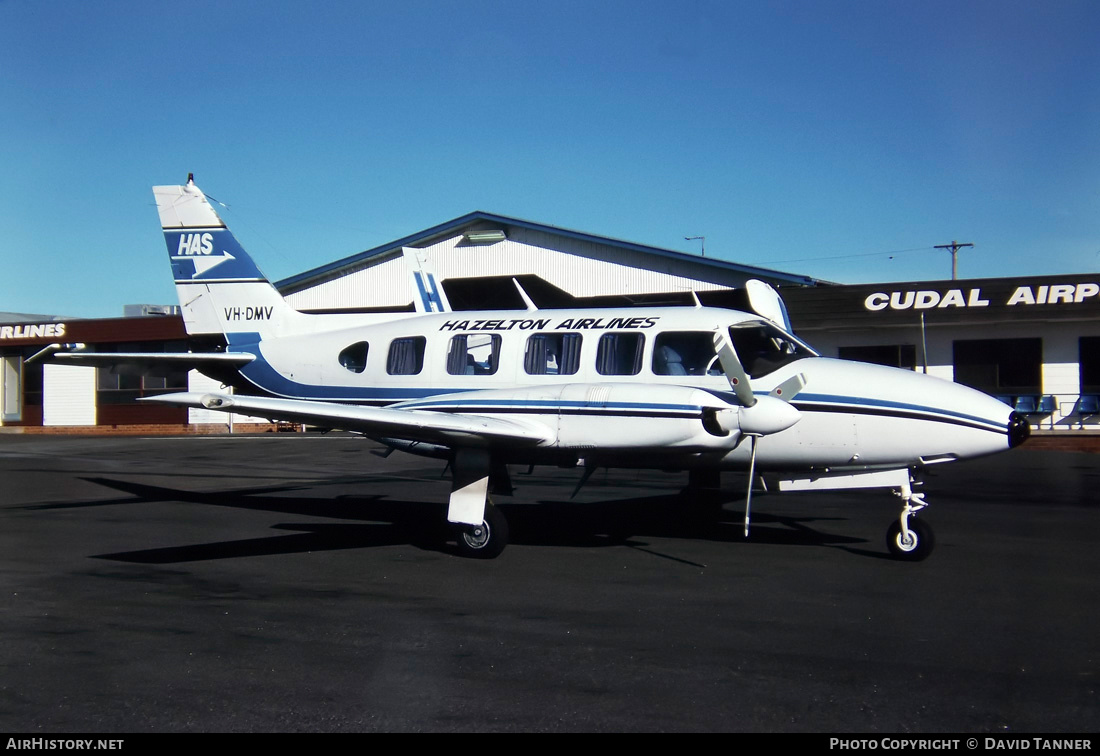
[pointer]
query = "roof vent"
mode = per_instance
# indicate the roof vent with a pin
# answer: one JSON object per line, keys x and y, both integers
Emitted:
{"x": 491, "y": 236}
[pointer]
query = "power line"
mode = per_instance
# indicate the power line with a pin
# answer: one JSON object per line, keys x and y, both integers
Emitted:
{"x": 848, "y": 257}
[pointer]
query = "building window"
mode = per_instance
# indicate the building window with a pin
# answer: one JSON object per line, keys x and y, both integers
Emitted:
{"x": 473, "y": 354}
{"x": 685, "y": 353}
{"x": 406, "y": 356}
{"x": 553, "y": 354}
{"x": 125, "y": 384}
{"x": 897, "y": 355}
{"x": 354, "y": 357}
{"x": 127, "y": 387}
{"x": 1089, "y": 361}
{"x": 620, "y": 354}
{"x": 1000, "y": 366}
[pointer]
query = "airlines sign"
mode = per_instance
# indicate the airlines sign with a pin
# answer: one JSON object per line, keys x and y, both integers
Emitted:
{"x": 32, "y": 331}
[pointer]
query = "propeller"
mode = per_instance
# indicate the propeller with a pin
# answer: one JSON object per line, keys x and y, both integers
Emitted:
{"x": 759, "y": 416}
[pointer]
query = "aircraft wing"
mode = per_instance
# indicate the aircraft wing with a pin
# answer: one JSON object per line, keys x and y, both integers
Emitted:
{"x": 414, "y": 425}
{"x": 151, "y": 362}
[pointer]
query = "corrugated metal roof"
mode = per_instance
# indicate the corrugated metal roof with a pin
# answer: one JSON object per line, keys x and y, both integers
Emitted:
{"x": 339, "y": 267}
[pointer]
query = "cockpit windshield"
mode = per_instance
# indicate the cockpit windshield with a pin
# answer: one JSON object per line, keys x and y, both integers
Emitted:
{"x": 763, "y": 347}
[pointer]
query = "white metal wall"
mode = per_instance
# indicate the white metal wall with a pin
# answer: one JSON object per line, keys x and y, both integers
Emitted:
{"x": 581, "y": 268}
{"x": 68, "y": 394}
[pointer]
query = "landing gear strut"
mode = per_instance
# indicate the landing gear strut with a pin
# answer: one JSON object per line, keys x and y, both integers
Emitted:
{"x": 908, "y": 538}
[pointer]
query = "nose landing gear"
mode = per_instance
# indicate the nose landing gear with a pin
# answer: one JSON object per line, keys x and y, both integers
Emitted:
{"x": 908, "y": 538}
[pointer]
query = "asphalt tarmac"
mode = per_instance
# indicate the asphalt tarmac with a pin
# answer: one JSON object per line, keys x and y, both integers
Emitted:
{"x": 301, "y": 584}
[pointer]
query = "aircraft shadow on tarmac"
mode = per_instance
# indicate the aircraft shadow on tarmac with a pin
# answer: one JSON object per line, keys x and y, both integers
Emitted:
{"x": 381, "y": 521}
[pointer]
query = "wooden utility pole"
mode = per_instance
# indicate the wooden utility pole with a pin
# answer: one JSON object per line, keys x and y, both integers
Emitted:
{"x": 954, "y": 247}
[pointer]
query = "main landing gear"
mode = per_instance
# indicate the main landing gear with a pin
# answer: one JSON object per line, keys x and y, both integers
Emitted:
{"x": 487, "y": 540}
{"x": 908, "y": 538}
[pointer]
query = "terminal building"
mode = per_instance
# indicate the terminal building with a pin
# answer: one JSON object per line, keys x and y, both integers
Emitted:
{"x": 1034, "y": 342}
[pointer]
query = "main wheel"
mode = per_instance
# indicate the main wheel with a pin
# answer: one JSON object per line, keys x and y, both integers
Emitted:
{"x": 487, "y": 540}
{"x": 920, "y": 543}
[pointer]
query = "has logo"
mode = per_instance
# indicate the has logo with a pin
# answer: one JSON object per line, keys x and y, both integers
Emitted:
{"x": 196, "y": 244}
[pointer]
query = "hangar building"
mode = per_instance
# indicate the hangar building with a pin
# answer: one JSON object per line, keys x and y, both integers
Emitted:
{"x": 478, "y": 254}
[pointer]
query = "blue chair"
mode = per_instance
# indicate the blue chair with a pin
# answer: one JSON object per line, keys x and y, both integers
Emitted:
{"x": 1088, "y": 405}
{"x": 1027, "y": 404}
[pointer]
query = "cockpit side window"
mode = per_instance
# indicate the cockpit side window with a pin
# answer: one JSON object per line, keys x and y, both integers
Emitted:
{"x": 685, "y": 353}
{"x": 764, "y": 348}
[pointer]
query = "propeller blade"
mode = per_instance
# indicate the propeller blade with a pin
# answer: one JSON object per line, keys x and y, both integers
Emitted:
{"x": 731, "y": 366}
{"x": 789, "y": 388}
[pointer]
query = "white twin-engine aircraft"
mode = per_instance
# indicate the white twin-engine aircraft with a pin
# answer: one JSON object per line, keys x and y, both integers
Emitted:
{"x": 675, "y": 388}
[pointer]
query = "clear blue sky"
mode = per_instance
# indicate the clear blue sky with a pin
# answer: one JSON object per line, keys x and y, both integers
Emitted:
{"x": 814, "y": 137}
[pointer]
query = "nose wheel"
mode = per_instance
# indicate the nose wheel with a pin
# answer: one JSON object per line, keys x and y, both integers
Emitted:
{"x": 911, "y": 544}
{"x": 908, "y": 538}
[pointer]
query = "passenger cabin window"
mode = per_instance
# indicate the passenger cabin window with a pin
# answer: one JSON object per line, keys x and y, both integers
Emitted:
{"x": 553, "y": 354}
{"x": 354, "y": 357}
{"x": 474, "y": 354}
{"x": 763, "y": 348}
{"x": 620, "y": 354}
{"x": 685, "y": 353}
{"x": 406, "y": 356}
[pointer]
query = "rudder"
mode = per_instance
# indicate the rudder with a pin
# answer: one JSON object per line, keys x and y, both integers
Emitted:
{"x": 220, "y": 288}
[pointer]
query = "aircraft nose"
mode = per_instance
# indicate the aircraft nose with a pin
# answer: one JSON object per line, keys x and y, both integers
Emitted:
{"x": 1019, "y": 429}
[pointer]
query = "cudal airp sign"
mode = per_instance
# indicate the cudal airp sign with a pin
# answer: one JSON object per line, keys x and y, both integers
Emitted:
{"x": 926, "y": 299}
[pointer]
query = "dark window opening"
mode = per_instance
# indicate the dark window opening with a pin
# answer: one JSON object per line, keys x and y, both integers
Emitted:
{"x": 1089, "y": 360}
{"x": 125, "y": 384}
{"x": 406, "y": 356}
{"x": 763, "y": 348}
{"x": 553, "y": 354}
{"x": 685, "y": 353}
{"x": 474, "y": 354}
{"x": 620, "y": 354}
{"x": 896, "y": 355}
{"x": 32, "y": 384}
{"x": 354, "y": 357}
{"x": 1000, "y": 366}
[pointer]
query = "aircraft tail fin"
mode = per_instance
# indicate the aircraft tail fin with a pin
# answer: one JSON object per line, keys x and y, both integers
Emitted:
{"x": 221, "y": 289}
{"x": 428, "y": 294}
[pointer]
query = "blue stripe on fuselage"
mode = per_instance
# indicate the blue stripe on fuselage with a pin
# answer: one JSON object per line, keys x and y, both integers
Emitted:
{"x": 261, "y": 374}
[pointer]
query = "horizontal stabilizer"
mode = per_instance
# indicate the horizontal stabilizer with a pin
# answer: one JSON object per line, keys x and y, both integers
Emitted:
{"x": 152, "y": 362}
{"x": 414, "y": 425}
